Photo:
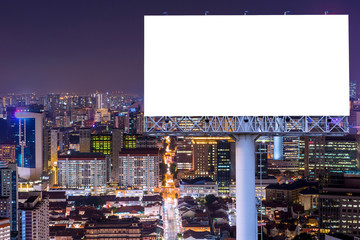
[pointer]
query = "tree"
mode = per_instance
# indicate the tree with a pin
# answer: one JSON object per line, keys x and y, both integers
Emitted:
{"x": 210, "y": 199}
{"x": 113, "y": 210}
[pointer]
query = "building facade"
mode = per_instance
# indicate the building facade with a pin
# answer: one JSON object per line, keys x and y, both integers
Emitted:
{"x": 321, "y": 155}
{"x": 29, "y": 141}
{"x": 82, "y": 170}
{"x": 4, "y": 229}
{"x": 9, "y": 194}
{"x": 225, "y": 150}
{"x": 339, "y": 206}
{"x": 199, "y": 187}
{"x": 7, "y": 154}
{"x": 114, "y": 229}
{"x": 34, "y": 219}
{"x": 139, "y": 168}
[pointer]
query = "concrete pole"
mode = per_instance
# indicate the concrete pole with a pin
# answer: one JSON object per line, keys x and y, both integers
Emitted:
{"x": 246, "y": 215}
{"x": 278, "y": 147}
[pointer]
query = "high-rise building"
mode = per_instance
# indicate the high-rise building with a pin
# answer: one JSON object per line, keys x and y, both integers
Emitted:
{"x": 225, "y": 152}
{"x": 205, "y": 158}
{"x": 262, "y": 155}
{"x": 184, "y": 154}
{"x": 117, "y": 145}
{"x": 99, "y": 100}
{"x": 339, "y": 202}
{"x": 8, "y": 193}
{"x": 135, "y": 119}
{"x": 84, "y": 139}
{"x": 7, "y": 154}
{"x": 51, "y": 145}
{"x": 29, "y": 150}
{"x": 139, "y": 168}
{"x": 320, "y": 155}
{"x": 34, "y": 218}
{"x": 54, "y": 145}
{"x": 291, "y": 148}
{"x": 82, "y": 170}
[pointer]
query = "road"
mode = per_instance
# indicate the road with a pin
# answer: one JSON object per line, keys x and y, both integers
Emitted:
{"x": 171, "y": 224}
{"x": 171, "y": 216}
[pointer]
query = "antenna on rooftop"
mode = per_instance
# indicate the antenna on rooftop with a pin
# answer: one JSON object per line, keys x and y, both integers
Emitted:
{"x": 327, "y": 12}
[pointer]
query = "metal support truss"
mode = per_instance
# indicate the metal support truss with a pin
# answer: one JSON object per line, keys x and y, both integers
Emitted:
{"x": 263, "y": 125}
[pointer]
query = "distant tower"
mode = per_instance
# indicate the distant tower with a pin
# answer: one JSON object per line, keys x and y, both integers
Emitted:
{"x": 99, "y": 100}
{"x": 353, "y": 91}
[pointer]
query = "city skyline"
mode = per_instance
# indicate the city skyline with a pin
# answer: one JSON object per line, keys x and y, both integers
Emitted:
{"x": 48, "y": 46}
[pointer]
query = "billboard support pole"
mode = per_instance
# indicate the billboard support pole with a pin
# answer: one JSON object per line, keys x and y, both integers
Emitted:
{"x": 246, "y": 214}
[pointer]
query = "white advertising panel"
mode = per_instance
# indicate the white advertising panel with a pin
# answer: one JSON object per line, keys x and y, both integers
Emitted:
{"x": 275, "y": 65}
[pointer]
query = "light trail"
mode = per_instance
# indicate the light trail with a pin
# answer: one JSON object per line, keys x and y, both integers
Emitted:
{"x": 171, "y": 213}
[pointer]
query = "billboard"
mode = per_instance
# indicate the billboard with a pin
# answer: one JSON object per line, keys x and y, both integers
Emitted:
{"x": 273, "y": 65}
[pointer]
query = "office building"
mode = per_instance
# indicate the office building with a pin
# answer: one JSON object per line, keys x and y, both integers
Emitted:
{"x": 7, "y": 154}
{"x": 184, "y": 154}
{"x": 139, "y": 168}
{"x": 262, "y": 155}
{"x": 29, "y": 141}
{"x": 205, "y": 158}
{"x": 34, "y": 218}
{"x": 82, "y": 170}
{"x": 117, "y": 145}
{"x": 225, "y": 152}
{"x": 84, "y": 139}
{"x": 135, "y": 117}
{"x": 51, "y": 145}
{"x": 99, "y": 100}
{"x": 320, "y": 155}
{"x": 291, "y": 148}
{"x": 8, "y": 194}
{"x": 339, "y": 202}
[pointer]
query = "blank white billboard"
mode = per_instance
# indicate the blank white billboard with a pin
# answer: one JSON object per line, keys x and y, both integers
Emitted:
{"x": 283, "y": 65}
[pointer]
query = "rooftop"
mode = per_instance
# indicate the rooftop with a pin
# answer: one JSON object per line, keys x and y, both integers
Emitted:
{"x": 145, "y": 151}
{"x": 292, "y": 186}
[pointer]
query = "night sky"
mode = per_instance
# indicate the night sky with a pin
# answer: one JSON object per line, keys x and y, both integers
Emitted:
{"x": 87, "y": 45}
